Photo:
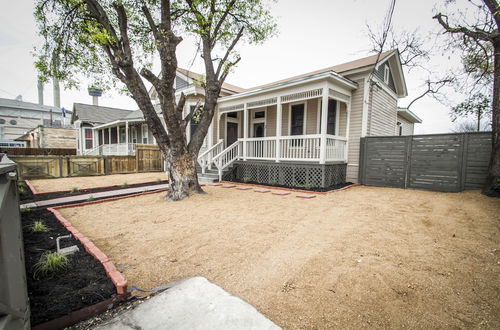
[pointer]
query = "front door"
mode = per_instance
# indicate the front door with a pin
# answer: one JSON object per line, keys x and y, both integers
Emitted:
{"x": 232, "y": 133}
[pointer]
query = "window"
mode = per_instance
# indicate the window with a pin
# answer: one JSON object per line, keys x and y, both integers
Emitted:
{"x": 297, "y": 120}
{"x": 259, "y": 114}
{"x": 332, "y": 117}
{"x": 399, "y": 128}
{"x": 88, "y": 138}
{"x": 386, "y": 74}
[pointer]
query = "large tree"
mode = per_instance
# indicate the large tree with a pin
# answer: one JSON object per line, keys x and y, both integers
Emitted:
{"x": 477, "y": 35}
{"x": 116, "y": 42}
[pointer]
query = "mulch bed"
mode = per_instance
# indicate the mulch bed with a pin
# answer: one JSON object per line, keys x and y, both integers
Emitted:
{"x": 83, "y": 284}
{"x": 334, "y": 187}
{"x": 28, "y": 195}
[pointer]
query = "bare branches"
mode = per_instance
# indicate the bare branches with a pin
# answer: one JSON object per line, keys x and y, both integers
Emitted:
{"x": 472, "y": 32}
{"x": 228, "y": 52}
{"x": 433, "y": 88}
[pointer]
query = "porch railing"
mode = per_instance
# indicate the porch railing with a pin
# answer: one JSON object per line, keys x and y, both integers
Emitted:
{"x": 295, "y": 148}
{"x": 205, "y": 159}
{"x": 120, "y": 149}
{"x": 225, "y": 158}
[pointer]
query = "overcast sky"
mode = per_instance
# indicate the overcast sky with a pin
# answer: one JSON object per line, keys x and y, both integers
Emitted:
{"x": 312, "y": 35}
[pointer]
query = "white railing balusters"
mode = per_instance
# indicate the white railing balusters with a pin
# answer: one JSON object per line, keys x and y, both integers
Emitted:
{"x": 227, "y": 157}
{"x": 206, "y": 158}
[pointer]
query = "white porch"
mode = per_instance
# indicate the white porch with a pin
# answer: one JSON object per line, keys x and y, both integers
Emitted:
{"x": 314, "y": 119}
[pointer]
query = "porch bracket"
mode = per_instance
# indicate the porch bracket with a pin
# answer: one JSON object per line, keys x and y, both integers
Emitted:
{"x": 324, "y": 119}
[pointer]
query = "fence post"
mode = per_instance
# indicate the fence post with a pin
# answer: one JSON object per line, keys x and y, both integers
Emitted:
{"x": 362, "y": 160}
{"x": 464, "y": 143}
{"x": 60, "y": 167}
{"x": 106, "y": 164}
{"x": 407, "y": 165}
{"x": 137, "y": 151}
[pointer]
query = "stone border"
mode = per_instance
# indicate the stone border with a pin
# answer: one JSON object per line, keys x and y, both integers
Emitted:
{"x": 33, "y": 190}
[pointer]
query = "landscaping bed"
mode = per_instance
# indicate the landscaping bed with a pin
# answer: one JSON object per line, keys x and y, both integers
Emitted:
{"x": 305, "y": 188}
{"x": 26, "y": 195}
{"x": 82, "y": 283}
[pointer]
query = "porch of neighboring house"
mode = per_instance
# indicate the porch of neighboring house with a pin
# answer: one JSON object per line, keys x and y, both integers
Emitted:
{"x": 292, "y": 139}
{"x": 117, "y": 138}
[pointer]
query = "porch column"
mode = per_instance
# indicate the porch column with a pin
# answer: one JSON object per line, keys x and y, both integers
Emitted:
{"x": 245, "y": 131}
{"x": 118, "y": 134}
{"x": 102, "y": 135}
{"x": 346, "y": 150}
{"x": 279, "y": 116}
{"x": 324, "y": 119}
{"x": 109, "y": 135}
{"x": 126, "y": 136}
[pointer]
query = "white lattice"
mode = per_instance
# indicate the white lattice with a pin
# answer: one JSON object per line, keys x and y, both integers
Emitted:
{"x": 302, "y": 95}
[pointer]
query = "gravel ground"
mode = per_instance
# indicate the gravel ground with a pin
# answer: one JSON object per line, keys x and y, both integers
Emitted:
{"x": 88, "y": 182}
{"x": 365, "y": 256}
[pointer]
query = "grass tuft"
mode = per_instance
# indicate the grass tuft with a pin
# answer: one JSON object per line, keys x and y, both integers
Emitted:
{"x": 38, "y": 227}
{"x": 90, "y": 198}
{"x": 124, "y": 184}
{"x": 246, "y": 179}
{"x": 274, "y": 183}
{"x": 26, "y": 210}
{"x": 50, "y": 262}
{"x": 73, "y": 190}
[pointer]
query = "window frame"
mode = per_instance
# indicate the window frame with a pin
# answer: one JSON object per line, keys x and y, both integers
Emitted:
{"x": 387, "y": 73}
{"x": 304, "y": 128}
{"x": 88, "y": 139}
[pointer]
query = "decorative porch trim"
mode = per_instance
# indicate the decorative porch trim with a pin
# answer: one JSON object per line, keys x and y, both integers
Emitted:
{"x": 262, "y": 103}
{"x": 340, "y": 96}
{"x": 310, "y": 94}
{"x": 236, "y": 107}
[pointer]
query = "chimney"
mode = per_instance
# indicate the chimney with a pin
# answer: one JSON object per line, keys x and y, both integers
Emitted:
{"x": 57, "y": 95}
{"x": 40, "y": 92}
{"x": 95, "y": 93}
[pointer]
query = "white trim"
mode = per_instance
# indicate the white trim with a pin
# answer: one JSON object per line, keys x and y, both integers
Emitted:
{"x": 364, "y": 118}
{"x": 387, "y": 74}
{"x": 384, "y": 87}
{"x": 304, "y": 125}
{"x": 337, "y": 117}
{"x": 142, "y": 133}
{"x": 232, "y": 120}
{"x": 318, "y": 116}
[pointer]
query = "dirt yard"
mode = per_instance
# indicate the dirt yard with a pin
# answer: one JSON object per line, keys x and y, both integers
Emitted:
{"x": 89, "y": 182}
{"x": 363, "y": 257}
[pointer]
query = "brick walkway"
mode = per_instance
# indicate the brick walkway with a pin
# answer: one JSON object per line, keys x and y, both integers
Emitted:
{"x": 84, "y": 197}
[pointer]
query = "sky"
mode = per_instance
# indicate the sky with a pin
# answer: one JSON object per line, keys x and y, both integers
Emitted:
{"x": 310, "y": 37}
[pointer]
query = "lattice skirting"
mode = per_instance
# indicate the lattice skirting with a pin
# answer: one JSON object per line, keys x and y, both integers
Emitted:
{"x": 288, "y": 174}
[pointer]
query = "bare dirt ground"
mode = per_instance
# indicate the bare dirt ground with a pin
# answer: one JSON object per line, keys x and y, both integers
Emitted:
{"x": 89, "y": 182}
{"x": 363, "y": 257}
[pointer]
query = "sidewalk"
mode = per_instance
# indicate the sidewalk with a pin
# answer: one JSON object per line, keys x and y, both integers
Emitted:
{"x": 84, "y": 197}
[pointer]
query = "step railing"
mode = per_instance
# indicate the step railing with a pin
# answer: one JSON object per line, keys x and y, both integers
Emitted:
{"x": 225, "y": 158}
{"x": 206, "y": 158}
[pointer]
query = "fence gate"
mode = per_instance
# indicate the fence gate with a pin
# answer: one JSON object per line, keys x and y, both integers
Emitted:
{"x": 442, "y": 162}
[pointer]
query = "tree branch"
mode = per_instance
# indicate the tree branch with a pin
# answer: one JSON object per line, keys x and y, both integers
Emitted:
{"x": 190, "y": 115}
{"x": 431, "y": 89}
{"x": 476, "y": 34}
{"x": 228, "y": 52}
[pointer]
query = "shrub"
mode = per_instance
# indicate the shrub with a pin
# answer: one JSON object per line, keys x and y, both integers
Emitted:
{"x": 25, "y": 210}
{"x": 73, "y": 190}
{"x": 246, "y": 179}
{"x": 21, "y": 189}
{"x": 158, "y": 180}
{"x": 307, "y": 186}
{"x": 90, "y": 198}
{"x": 124, "y": 184}
{"x": 50, "y": 262}
{"x": 274, "y": 183}
{"x": 38, "y": 227}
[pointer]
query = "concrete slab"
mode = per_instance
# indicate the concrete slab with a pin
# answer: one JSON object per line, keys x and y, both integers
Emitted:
{"x": 193, "y": 303}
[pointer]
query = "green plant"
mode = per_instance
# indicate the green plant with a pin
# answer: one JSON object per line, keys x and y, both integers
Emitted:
{"x": 73, "y": 190}
{"x": 38, "y": 227}
{"x": 307, "y": 186}
{"x": 50, "y": 262}
{"x": 21, "y": 190}
{"x": 246, "y": 179}
{"x": 158, "y": 180}
{"x": 274, "y": 183}
{"x": 124, "y": 184}
{"x": 90, "y": 198}
{"x": 25, "y": 210}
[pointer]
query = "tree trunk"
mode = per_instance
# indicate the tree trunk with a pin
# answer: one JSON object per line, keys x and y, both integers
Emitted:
{"x": 182, "y": 176}
{"x": 492, "y": 186}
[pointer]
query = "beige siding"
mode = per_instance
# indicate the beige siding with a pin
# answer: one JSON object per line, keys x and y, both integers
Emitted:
{"x": 222, "y": 125}
{"x": 58, "y": 138}
{"x": 271, "y": 121}
{"x": 312, "y": 116}
{"x": 382, "y": 113}
{"x": 342, "y": 119}
{"x": 407, "y": 126}
{"x": 355, "y": 132}
{"x": 284, "y": 119}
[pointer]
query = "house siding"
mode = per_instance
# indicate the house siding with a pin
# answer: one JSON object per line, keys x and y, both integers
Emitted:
{"x": 355, "y": 127}
{"x": 342, "y": 119}
{"x": 382, "y": 113}
{"x": 271, "y": 120}
{"x": 408, "y": 127}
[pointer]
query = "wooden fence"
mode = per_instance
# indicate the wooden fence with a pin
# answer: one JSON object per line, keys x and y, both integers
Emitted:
{"x": 147, "y": 159}
{"x": 442, "y": 162}
{"x": 38, "y": 151}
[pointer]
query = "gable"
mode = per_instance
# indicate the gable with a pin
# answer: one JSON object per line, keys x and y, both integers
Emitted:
{"x": 379, "y": 72}
{"x": 180, "y": 82}
{"x": 396, "y": 81}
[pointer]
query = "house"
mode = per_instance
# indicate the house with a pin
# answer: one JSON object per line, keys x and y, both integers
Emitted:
{"x": 18, "y": 117}
{"x": 302, "y": 130}
{"x": 49, "y": 137}
{"x": 406, "y": 122}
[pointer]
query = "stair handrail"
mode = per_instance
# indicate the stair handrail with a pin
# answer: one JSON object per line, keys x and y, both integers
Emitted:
{"x": 205, "y": 159}
{"x": 227, "y": 157}
{"x": 92, "y": 151}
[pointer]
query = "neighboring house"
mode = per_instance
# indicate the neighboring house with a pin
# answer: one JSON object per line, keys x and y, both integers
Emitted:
{"x": 18, "y": 117}
{"x": 406, "y": 122}
{"x": 303, "y": 130}
{"x": 49, "y": 137}
{"x": 86, "y": 117}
